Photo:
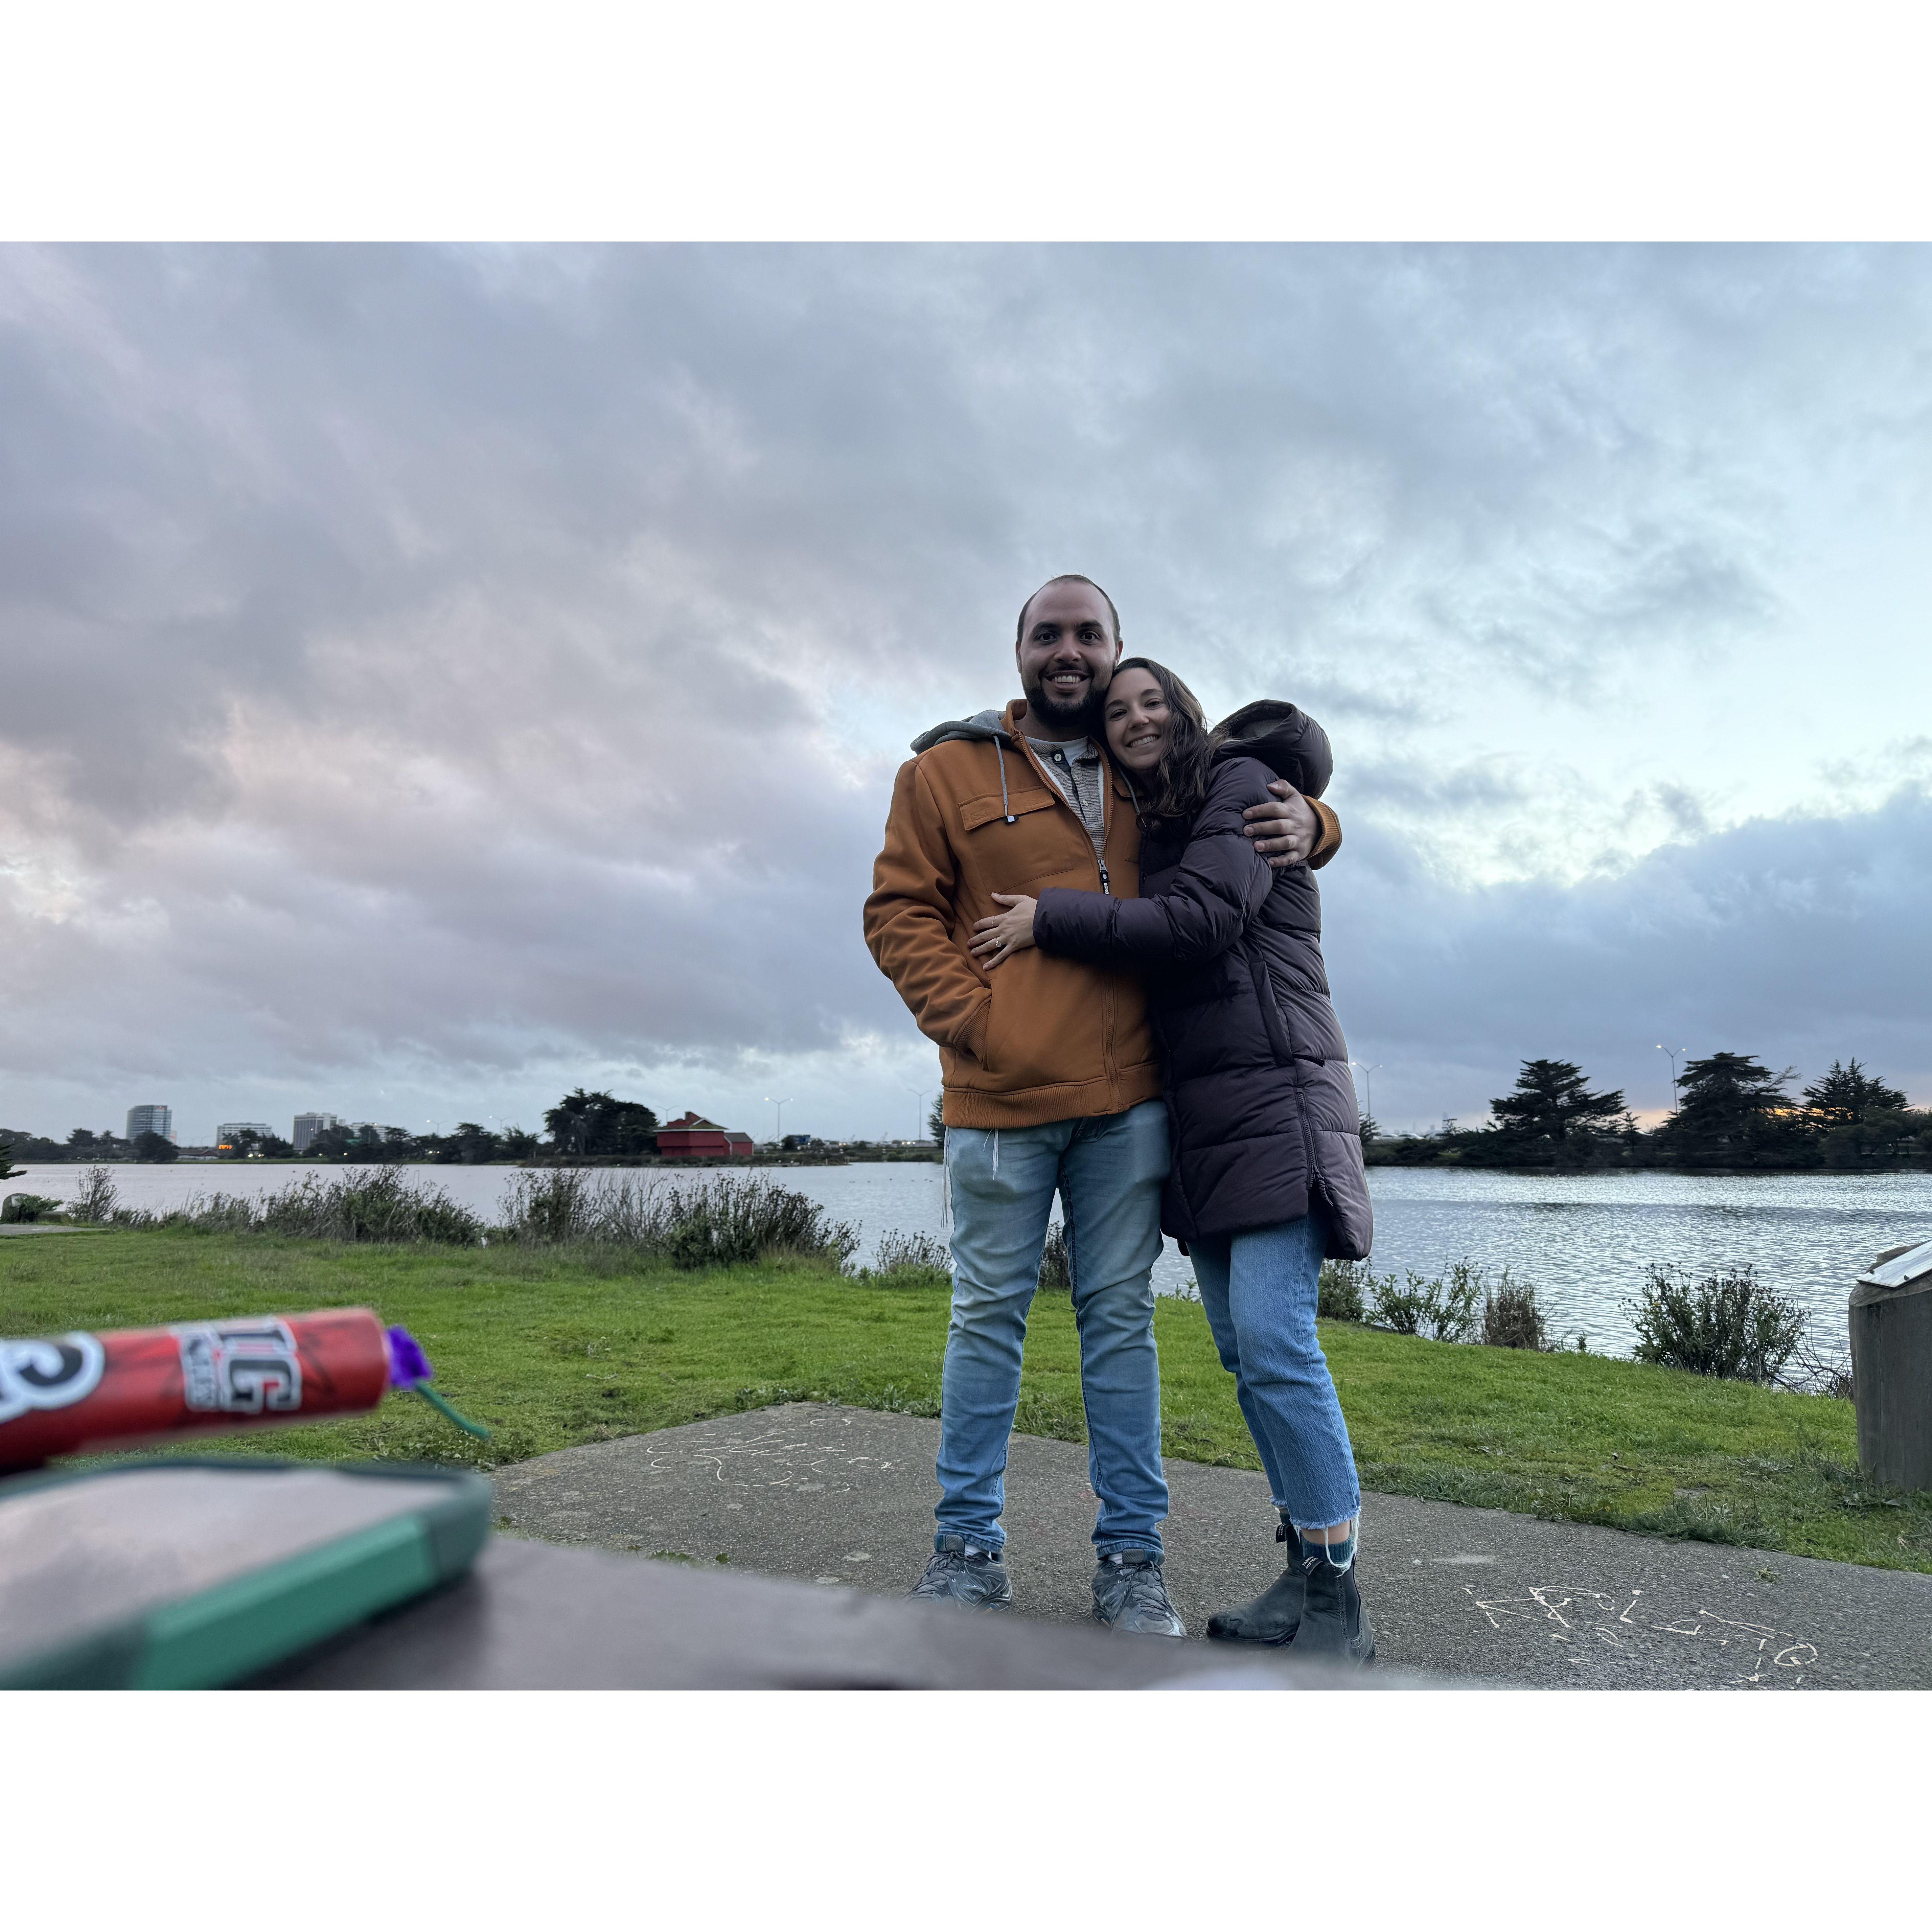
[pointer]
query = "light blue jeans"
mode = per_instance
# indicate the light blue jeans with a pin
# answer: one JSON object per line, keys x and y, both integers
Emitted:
{"x": 1109, "y": 1172}
{"x": 1259, "y": 1288}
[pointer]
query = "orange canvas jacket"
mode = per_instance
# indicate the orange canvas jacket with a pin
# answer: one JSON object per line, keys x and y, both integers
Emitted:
{"x": 1040, "y": 1039}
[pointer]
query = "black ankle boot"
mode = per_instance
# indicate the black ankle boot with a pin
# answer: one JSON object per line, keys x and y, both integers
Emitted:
{"x": 1333, "y": 1622}
{"x": 1275, "y": 1615}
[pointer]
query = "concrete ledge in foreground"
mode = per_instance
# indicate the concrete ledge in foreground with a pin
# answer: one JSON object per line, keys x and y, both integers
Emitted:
{"x": 532, "y": 1618}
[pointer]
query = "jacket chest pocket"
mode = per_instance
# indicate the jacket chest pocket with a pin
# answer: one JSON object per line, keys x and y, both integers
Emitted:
{"x": 996, "y": 857}
{"x": 978, "y": 811}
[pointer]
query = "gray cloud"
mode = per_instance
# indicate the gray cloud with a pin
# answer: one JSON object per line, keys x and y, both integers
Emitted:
{"x": 1685, "y": 810}
{"x": 434, "y": 669}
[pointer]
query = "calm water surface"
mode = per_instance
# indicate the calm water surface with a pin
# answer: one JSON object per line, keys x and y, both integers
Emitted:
{"x": 1585, "y": 1241}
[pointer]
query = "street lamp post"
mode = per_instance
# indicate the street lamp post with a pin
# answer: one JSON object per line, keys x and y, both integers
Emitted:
{"x": 777, "y": 1130}
{"x": 1369, "y": 1081}
{"x": 1673, "y": 1051}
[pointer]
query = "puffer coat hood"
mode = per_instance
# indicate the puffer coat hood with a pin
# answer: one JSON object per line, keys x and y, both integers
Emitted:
{"x": 1255, "y": 1065}
{"x": 1287, "y": 741}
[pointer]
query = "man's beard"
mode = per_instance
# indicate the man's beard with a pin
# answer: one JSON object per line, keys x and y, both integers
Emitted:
{"x": 1083, "y": 715}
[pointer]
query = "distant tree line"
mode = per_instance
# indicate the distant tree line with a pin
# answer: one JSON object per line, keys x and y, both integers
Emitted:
{"x": 469, "y": 1145}
{"x": 84, "y": 1144}
{"x": 1732, "y": 1111}
{"x": 582, "y": 1125}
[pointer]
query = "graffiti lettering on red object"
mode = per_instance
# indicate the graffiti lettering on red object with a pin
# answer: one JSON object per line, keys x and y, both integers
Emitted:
{"x": 243, "y": 1368}
{"x": 48, "y": 1372}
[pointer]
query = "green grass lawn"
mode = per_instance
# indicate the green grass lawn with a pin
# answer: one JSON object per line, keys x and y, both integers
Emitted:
{"x": 552, "y": 1348}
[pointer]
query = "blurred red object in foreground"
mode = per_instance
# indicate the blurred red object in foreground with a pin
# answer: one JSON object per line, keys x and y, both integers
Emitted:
{"x": 61, "y": 1395}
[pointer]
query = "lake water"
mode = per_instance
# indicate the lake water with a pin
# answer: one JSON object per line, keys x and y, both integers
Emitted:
{"x": 1585, "y": 1241}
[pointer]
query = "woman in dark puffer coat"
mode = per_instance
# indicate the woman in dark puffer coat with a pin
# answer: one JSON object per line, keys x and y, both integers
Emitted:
{"x": 1268, "y": 1175}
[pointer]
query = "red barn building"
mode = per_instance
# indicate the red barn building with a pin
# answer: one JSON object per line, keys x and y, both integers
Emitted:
{"x": 693, "y": 1138}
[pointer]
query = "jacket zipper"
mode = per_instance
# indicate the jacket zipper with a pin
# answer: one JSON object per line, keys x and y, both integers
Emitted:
{"x": 1100, "y": 865}
{"x": 1106, "y": 798}
{"x": 1106, "y": 885}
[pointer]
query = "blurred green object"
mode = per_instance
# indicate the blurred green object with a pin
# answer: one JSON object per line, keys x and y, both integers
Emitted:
{"x": 193, "y": 1573}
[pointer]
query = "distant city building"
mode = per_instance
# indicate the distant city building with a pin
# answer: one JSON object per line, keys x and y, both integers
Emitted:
{"x": 230, "y": 1131}
{"x": 150, "y": 1121}
{"x": 692, "y": 1138}
{"x": 308, "y": 1126}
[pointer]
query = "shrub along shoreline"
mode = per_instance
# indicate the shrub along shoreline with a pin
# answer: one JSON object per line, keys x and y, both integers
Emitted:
{"x": 692, "y": 1224}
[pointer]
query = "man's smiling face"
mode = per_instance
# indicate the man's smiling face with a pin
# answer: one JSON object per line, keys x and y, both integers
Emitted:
{"x": 1066, "y": 650}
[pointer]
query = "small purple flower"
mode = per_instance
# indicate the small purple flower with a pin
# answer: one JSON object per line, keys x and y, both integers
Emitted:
{"x": 408, "y": 1364}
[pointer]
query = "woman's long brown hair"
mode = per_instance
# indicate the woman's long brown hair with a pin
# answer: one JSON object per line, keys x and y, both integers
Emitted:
{"x": 1179, "y": 782}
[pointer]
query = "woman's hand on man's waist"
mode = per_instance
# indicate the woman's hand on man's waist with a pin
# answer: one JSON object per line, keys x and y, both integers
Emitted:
{"x": 1000, "y": 937}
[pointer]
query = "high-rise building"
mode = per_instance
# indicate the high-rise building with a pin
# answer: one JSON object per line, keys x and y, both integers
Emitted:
{"x": 308, "y": 1126}
{"x": 155, "y": 1120}
{"x": 229, "y": 1131}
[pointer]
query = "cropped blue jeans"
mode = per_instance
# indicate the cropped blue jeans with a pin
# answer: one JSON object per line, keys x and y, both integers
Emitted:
{"x": 1109, "y": 1172}
{"x": 1259, "y": 1288}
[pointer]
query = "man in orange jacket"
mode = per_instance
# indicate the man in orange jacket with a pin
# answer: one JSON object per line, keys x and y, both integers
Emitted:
{"x": 1051, "y": 1083}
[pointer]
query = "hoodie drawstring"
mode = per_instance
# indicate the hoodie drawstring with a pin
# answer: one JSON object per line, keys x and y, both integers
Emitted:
{"x": 999, "y": 753}
{"x": 1006, "y": 806}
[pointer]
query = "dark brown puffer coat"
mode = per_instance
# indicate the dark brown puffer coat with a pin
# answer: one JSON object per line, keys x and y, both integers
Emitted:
{"x": 1256, "y": 1069}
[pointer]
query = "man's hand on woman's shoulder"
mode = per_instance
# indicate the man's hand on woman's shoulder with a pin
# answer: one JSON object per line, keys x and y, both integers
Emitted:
{"x": 1285, "y": 829}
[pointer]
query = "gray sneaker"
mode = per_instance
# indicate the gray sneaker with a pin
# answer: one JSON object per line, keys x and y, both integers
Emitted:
{"x": 979, "y": 1580}
{"x": 1129, "y": 1594}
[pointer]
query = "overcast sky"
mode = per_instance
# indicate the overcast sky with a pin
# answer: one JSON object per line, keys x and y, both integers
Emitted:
{"x": 431, "y": 680}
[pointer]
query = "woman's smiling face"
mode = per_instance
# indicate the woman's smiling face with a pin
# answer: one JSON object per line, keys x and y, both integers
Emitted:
{"x": 1136, "y": 720}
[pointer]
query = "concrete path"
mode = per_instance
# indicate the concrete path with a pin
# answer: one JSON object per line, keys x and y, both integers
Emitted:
{"x": 845, "y": 1496}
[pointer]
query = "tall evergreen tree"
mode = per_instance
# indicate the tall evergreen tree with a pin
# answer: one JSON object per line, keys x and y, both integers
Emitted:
{"x": 1730, "y": 1106}
{"x": 472, "y": 1143}
{"x": 1551, "y": 1110}
{"x": 1845, "y": 1095}
{"x": 588, "y": 1123}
